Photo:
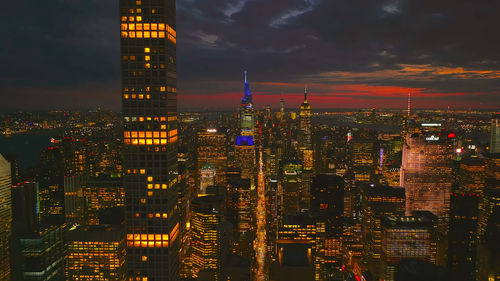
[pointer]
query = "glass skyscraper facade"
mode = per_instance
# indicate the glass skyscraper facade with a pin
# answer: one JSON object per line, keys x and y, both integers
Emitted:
{"x": 148, "y": 65}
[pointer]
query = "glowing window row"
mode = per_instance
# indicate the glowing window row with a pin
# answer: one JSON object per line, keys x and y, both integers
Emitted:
{"x": 148, "y": 27}
{"x": 156, "y": 119}
{"x": 132, "y": 18}
{"x": 151, "y": 215}
{"x": 147, "y": 240}
{"x": 150, "y": 134}
{"x": 148, "y": 89}
{"x": 148, "y": 34}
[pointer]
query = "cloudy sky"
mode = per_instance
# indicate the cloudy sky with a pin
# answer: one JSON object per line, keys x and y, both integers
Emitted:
{"x": 65, "y": 53}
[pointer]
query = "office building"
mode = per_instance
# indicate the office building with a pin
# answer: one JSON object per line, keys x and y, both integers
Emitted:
{"x": 363, "y": 158}
{"x": 210, "y": 238}
{"x": 37, "y": 250}
{"x": 462, "y": 236}
{"x": 5, "y": 217}
{"x": 98, "y": 252}
{"x": 327, "y": 195}
{"x": 378, "y": 201}
{"x": 495, "y": 134}
{"x": 149, "y": 99}
{"x": 212, "y": 149}
{"x": 207, "y": 177}
{"x": 408, "y": 237}
{"x": 102, "y": 193}
{"x": 426, "y": 175}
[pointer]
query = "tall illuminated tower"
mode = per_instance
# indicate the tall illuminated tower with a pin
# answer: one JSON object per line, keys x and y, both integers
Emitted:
{"x": 495, "y": 134}
{"x": 306, "y": 151}
{"x": 244, "y": 149}
{"x": 5, "y": 218}
{"x": 148, "y": 65}
{"x": 305, "y": 124}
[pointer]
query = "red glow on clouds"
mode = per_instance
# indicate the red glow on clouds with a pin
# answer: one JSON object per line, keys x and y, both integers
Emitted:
{"x": 330, "y": 96}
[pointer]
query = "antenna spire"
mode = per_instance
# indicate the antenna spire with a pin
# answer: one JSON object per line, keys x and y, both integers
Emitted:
{"x": 305, "y": 92}
{"x": 245, "y": 76}
{"x": 409, "y": 103}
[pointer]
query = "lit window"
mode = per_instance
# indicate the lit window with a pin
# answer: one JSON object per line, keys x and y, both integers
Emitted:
{"x": 147, "y": 65}
{"x": 150, "y": 179}
{"x": 144, "y": 258}
{"x": 138, "y": 18}
{"x": 147, "y": 58}
{"x": 147, "y": 50}
{"x": 162, "y": 89}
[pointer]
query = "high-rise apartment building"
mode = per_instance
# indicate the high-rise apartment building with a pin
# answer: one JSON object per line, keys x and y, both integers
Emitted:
{"x": 5, "y": 218}
{"x": 495, "y": 134}
{"x": 148, "y": 66}
{"x": 97, "y": 253}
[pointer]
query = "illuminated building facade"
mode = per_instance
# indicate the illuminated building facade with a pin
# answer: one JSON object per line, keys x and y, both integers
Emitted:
{"x": 5, "y": 218}
{"x": 212, "y": 149}
{"x": 207, "y": 177}
{"x": 247, "y": 118}
{"x": 103, "y": 192}
{"x": 408, "y": 237}
{"x": 244, "y": 156}
{"x": 209, "y": 241}
{"x": 472, "y": 174}
{"x": 244, "y": 149}
{"x": 97, "y": 253}
{"x": 426, "y": 175}
{"x": 302, "y": 236}
{"x": 378, "y": 201}
{"x": 292, "y": 185}
{"x": 305, "y": 145}
{"x": 149, "y": 99}
{"x": 305, "y": 134}
{"x": 495, "y": 134}
{"x": 74, "y": 200}
{"x": 363, "y": 159}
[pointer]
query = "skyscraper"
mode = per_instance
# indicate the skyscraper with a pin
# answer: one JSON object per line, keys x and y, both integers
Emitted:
{"x": 96, "y": 253}
{"x": 148, "y": 62}
{"x": 244, "y": 149}
{"x": 408, "y": 237}
{"x": 495, "y": 134}
{"x": 212, "y": 149}
{"x": 426, "y": 175}
{"x": 306, "y": 153}
{"x": 37, "y": 250}
{"x": 5, "y": 218}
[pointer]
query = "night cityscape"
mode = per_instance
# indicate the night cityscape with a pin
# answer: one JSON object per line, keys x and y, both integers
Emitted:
{"x": 250, "y": 140}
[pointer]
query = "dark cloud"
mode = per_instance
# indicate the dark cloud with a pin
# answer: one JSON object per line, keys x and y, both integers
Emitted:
{"x": 443, "y": 46}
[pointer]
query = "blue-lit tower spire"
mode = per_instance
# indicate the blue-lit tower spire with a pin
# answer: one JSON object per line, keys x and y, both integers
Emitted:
{"x": 246, "y": 101}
